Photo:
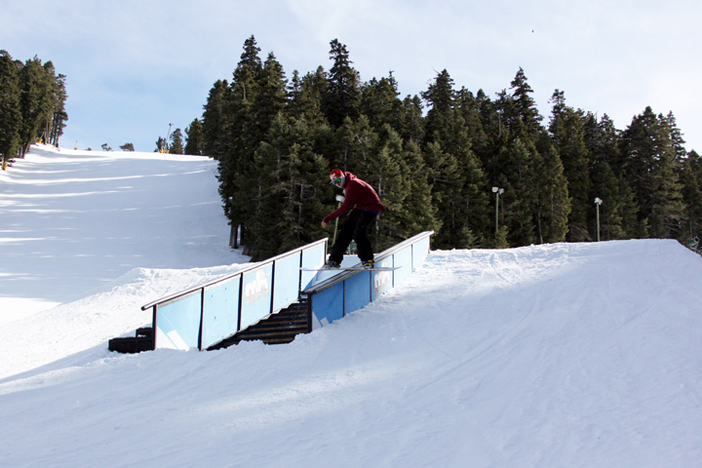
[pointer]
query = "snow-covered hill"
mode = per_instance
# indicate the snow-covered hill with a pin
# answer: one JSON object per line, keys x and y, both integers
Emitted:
{"x": 566, "y": 355}
{"x": 74, "y": 220}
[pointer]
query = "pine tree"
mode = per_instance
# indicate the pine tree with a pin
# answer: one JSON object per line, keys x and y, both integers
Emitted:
{"x": 56, "y": 117}
{"x": 343, "y": 96}
{"x": 458, "y": 181}
{"x": 472, "y": 201}
{"x": 417, "y": 213}
{"x": 494, "y": 128}
{"x": 618, "y": 211}
{"x": 36, "y": 102}
{"x": 307, "y": 95}
{"x": 290, "y": 200}
{"x": 650, "y": 164}
{"x": 193, "y": 143}
{"x": 458, "y": 197}
{"x": 525, "y": 106}
{"x": 237, "y": 174}
{"x": 355, "y": 143}
{"x": 215, "y": 123}
{"x": 469, "y": 109}
{"x": 676, "y": 137}
{"x": 568, "y": 136}
{"x": 516, "y": 150}
{"x": 245, "y": 132}
{"x": 517, "y": 177}
{"x": 692, "y": 193}
{"x": 380, "y": 103}
{"x": 411, "y": 120}
{"x": 271, "y": 223}
{"x": 439, "y": 97}
{"x": 443, "y": 171}
{"x": 553, "y": 205}
{"x": 269, "y": 96}
{"x": 176, "y": 146}
{"x": 160, "y": 145}
{"x": 258, "y": 96}
{"x": 386, "y": 170}
{"x": 247, "y": 71}
{"x": 10, "y": 114}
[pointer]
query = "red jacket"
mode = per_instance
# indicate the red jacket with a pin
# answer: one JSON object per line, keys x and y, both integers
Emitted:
{"x": 358, "y": 194}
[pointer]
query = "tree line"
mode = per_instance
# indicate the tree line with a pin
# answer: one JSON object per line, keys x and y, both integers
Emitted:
{"x": 435, "y": 158}
{"x": 32, "y": 98}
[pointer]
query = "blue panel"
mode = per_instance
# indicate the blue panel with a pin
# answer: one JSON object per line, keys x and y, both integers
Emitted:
{"x": 403, "y": 259}
{"x": 383, "y": 280}
{"x": 287, "y": 282}
{"x": 178, "y": 323}
{"x": 256, "y": 298}
{"x": 312, "y": 258}
{"x": 328, "y": 305}
{"x": 358, "y": 291}
{"x": 419, "y": 252}
{"x": 221, "y": 316}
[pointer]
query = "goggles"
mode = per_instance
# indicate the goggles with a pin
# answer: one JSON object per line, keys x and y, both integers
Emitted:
{"x": 336, "y": 181}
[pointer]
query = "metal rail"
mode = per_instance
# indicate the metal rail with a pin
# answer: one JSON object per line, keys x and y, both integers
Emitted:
{"x": 328, "y": 283}
{"x": 224, "y": 279}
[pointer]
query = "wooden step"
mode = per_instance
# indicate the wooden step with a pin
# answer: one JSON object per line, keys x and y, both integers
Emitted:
{"x": 279, "y": 328}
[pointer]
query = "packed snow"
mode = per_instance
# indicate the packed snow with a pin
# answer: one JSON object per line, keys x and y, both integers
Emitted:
{"x": 564, "y": 355}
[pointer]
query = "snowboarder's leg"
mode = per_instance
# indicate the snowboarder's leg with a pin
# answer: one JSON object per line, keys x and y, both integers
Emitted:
{"x": 344, "y": 237}
{"x": 360, "y": 235}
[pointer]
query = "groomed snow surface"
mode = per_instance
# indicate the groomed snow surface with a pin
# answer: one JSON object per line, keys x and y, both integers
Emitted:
{"x": 566, "y": 355}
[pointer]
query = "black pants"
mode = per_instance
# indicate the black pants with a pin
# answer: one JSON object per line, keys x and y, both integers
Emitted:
{"x": 354, "y": 228}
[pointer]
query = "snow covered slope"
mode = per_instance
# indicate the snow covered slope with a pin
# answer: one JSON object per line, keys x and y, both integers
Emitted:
{"x": 74, "y": 220}
{"x": 566, "y": 355}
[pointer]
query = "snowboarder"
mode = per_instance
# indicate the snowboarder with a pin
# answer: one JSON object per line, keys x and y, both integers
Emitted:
{"x": 365, "y": 206}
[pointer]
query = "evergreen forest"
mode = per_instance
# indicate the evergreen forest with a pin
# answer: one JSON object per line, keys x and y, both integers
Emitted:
{"x": 480, "y": 171}
{"x": 32, "y": 98}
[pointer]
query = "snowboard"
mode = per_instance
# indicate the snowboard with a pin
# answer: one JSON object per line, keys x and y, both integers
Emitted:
{"x": 351, "y": 269}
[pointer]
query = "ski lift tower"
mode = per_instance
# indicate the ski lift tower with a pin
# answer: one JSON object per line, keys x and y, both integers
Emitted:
{"x": 164, "y": 143}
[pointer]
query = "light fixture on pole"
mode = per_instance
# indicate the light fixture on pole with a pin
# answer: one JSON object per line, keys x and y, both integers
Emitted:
{"x": 497, "y": 191}
{"x": 598, "y": 202}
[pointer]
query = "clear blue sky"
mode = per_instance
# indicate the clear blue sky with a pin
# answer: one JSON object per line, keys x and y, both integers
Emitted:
{"x": 134, "y": 67}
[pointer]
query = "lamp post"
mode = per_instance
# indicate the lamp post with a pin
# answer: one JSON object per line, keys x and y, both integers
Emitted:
{"x": 598, "y": 202}
{"x": 497, "y": 191}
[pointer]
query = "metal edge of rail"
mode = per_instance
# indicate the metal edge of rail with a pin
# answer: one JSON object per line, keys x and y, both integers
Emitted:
{"x": 328, "y": 283}
{"x": 255, "y": 266}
